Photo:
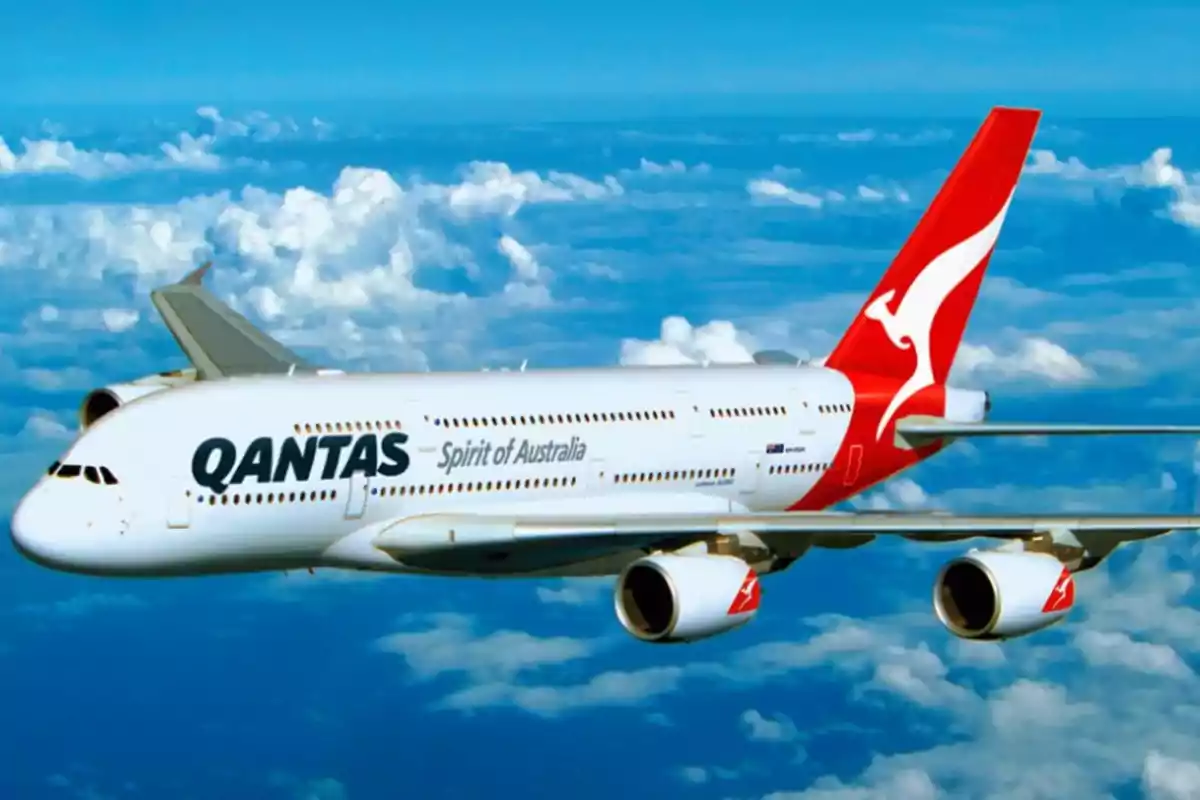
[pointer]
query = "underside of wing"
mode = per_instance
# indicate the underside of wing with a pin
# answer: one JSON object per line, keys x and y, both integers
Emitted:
{"x": 919, "y": 431}
{"x": 219, "y": 341}
{"x": 555, "y": 540}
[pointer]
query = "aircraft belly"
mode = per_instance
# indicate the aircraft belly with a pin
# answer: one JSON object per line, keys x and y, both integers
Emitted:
{"x": 530, "y": 560}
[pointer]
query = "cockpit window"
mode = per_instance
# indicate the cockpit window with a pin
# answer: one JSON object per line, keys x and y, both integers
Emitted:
{"x": 93, "y": 474}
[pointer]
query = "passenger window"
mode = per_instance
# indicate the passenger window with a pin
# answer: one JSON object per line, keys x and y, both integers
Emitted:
{"x": 91, "y": 474}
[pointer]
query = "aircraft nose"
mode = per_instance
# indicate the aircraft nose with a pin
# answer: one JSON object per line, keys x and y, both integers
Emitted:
{"x": 38, "y": 525}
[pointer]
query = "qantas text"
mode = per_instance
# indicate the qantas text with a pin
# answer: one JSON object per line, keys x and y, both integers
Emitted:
{"x": 484, "y": 454}
{"x": 216, "y": 464}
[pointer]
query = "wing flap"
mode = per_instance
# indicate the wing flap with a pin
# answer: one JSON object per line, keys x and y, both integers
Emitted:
{"x": 219, "y": 341}
{"x": 433, "y": 532}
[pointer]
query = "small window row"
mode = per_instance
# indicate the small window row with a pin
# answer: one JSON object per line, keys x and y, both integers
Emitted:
{"x": 91, "y": 474}
{"x": 756, "y": 411}
{"x": 476, "y": 486}
{"x": 554, "y": 419}
{"x": 346, "y": 427}
{"x": 834, "y": 408}
{"x": 795, "y": 469}
{"x": 390, "y": 491}
{"x": 269, "y": 498}
{"x": 677, "y": 475}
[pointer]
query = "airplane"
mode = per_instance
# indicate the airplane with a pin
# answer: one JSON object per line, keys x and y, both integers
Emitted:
{"x": 686, "y": 483}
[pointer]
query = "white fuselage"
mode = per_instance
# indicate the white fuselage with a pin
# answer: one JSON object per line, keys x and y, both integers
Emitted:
{"x": 285, "y": 472}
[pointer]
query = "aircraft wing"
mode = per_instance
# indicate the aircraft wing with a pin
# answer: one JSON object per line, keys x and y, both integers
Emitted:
{"x": 919, "y": 431}
{"x": 441, "y": 533}
{"x": 219, "y": 341}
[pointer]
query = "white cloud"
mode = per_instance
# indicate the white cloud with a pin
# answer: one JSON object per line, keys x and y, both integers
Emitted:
{"x": 909, "y": 784}
{"x": 527, "y": 285}
{"x": 1106, "y": 649}
{"x": 119, "y": 319}
{"x": 51, "y": 156}
{"x": 769, "y": 190}
{"x": 451, "y": 645}
{"x": 896, "y": 493}
{"x": 1156, "y": 172}
{"x": 1166, "y": 778}
{"x": 493, "y": 187}
{"x": 672, "y": 167}
{"x": 768, "y": 729}
{"x": 872, "y": 195}
{"x": 258, "y": 125}
{"x": 44, "y": 425}
{"x": 576, "y": 591}
{"x": 1043, "y": 716}
{"x": 336, "y": 270}
{"x": 869, "y": 136}
{"x": 679, "y": 343}
{"x": 608, "y": 689}
{"x": 1033, "y": 358}
{"x": 1027, "y": 705}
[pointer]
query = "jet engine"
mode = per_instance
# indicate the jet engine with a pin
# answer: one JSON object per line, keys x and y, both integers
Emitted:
{"x": 995, "y": 594}
{"x": 681, "y": 598}
{"x": 103, "y": 401}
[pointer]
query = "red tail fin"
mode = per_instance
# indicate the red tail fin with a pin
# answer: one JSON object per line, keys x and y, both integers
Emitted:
{"x": 911, "y": 325}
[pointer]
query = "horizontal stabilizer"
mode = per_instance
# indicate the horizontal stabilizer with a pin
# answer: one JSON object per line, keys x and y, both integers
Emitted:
{"x": 219, "y": 341}
{"x": 777, "y": 357}
{"x": 927, "y": 429}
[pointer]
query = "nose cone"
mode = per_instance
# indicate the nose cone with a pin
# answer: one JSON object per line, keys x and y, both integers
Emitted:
{"x": 38, "y": 528}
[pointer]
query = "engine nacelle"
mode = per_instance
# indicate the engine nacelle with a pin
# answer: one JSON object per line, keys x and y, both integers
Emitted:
{"x": 681, "y": 598}
{"x": 995, "y": 594}
{"x": 107, "y": 399}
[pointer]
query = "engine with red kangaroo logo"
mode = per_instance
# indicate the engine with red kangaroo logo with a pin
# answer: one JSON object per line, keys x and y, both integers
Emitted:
{"x": 681, "y": 598}
{"x": 996, "y": 594}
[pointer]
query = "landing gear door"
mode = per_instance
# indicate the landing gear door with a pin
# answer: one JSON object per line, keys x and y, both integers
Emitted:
{"x": 358, "y": 487}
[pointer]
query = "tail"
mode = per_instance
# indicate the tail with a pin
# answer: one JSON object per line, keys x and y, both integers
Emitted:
{"x": 911, "y": 325}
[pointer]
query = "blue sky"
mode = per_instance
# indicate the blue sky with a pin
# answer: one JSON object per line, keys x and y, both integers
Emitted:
{"x": 894, "y": 55}
{"x": 369, "y": 238}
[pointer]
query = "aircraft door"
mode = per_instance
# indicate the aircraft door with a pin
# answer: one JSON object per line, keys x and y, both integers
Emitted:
{"x": 748, "y": 474}
{"x": 358, "y": 487}
{"x": 689, "y": 414}
{"x": 596, "y": 474}
{"x": 853, "y": 465}
{"x": 180, "y": 499}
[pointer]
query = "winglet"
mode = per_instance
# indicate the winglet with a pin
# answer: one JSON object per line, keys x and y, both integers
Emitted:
{"x": 196, "y": 276}
{"x": 219, "y": 341}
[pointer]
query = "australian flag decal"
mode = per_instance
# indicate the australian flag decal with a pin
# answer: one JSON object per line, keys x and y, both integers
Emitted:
{"x": 774, "y": 448}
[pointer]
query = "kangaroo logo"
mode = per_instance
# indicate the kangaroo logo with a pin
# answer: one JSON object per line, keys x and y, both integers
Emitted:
{"x": 910, "y": 326}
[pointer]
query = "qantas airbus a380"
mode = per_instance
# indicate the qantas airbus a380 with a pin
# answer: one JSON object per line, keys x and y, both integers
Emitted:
{"x": 688, "y": 483}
